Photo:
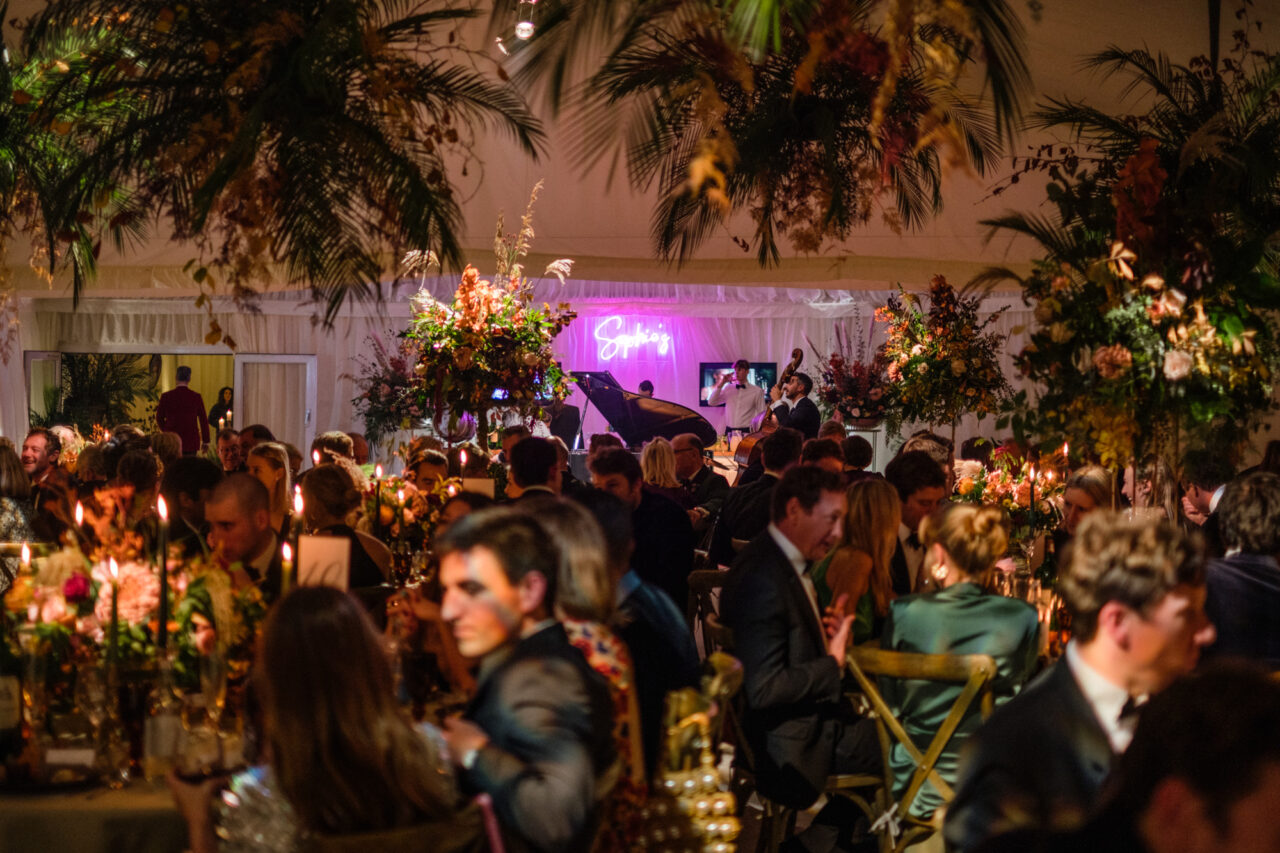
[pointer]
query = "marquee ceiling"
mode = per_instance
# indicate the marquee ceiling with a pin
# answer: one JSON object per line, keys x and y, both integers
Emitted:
{"x": 605, "y": 227}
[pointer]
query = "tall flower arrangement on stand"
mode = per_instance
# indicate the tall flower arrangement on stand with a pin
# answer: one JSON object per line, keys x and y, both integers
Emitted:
{"x": 851, "y": 381}
{"x": 387, "y": 401}
{"x": 942, "y": 363}
{"x": 491, "y": 343}
{"x": 1156, "y": 300}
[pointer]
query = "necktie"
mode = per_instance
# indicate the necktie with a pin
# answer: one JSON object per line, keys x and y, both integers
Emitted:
{"x": 739, "y": 386}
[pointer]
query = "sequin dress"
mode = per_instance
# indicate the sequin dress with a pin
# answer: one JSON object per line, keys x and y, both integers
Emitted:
{"x": 15, "y": 526}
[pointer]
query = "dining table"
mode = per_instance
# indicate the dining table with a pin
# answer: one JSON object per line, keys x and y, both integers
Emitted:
{"x": 139, "y": 818}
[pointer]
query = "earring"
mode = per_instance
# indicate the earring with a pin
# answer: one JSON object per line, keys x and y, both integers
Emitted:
{"x": 939, "y": 571}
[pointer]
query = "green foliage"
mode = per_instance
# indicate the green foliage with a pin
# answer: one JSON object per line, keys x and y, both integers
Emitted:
{"x": 97, "y": 389}
{"x": 297, "y": 139}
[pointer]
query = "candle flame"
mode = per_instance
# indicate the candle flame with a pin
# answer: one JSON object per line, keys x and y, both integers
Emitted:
{"x": 286, "y": 552}
{"x": 162, "y": 508}
{"x": 114, "y": 568}
{"x": 377, "y": 471}
{"x": 79, "y": 513}
{"x": 400, "y": 495}
{"x": 106, "y": 435}
{"x": 230, "y": 415}
{"x": 462, "y": 458}
{"x": 26, "y": 555}
{"x": 453, "y": 490}
{"x": 297, "y": 502}
{"x": 315, "y": 457}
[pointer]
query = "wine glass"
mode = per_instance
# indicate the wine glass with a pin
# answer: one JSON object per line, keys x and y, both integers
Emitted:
{"x": 213, "y": 686}
{"x": 91, "y": 698}
{"x": 34, "y": 680}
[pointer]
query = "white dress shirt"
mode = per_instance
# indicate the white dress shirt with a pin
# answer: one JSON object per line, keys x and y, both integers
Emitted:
{"x": 800, "y": 564}
{"x": 1106, "y": 699}
{"x": 740, "y": 404}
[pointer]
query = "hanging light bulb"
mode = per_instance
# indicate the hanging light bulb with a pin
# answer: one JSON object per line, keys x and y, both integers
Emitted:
{"x": 524, "y": 19}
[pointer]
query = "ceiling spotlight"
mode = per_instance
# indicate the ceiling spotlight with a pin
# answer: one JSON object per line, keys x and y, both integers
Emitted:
{"x": 524, "y": 18}
{"x": 524, "y": 30}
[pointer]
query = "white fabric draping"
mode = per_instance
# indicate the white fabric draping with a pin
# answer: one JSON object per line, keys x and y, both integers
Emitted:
{"x": 704, "y": 323}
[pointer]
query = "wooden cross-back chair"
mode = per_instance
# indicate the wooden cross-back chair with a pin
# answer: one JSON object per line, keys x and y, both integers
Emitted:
{"x": 703, "y": 586}
{"x": 974, "y": 672}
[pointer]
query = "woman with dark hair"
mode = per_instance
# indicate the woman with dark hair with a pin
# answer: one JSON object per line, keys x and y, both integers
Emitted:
{"x": 221, "y": 408}
{"x": 343, "y": 757}
{"x": 15, "y": 509}
{"x": 330, "y": 497}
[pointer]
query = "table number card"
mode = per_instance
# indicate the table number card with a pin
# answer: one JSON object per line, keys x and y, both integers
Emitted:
{"x": 482, "y": 485}
{"x": 324, "y": 561}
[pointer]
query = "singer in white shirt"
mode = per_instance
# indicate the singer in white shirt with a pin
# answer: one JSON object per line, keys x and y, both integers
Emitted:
{"x": 742, "y": 400}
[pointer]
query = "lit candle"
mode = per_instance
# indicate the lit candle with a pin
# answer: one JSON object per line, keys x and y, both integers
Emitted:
{"x": 231, "y": 418}
{"x": 222, "y": 424}
{"x": 453, "y": 490}
{"x": 315, "y": 457}
{"x": 26, "y": 557}
{"x": 462, "y": 458}
{"x": 1033, "y": 494}
{"x": 162, "y": 635}
{"x": 377, "y": 501}
{"x": 114, "y": 569}
{"x": 79, "y": 515}
{"x": 400, "y": 512}
{"x": 286, "y": 568}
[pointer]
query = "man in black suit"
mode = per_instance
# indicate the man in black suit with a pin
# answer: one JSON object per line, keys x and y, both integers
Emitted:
{"x": 565, "y": 421}
{"x": 921, "y": 485}
{"x": 537, "y": 736}
{"x": 535, "y": 468}
{"x": 1201, "y": 776}
{"x": 797, "y": 725}
{"x": 186, "y": 486}
{"x": 663, "y": 653}
{"x": 239, "y": 516}
{"x": 793, "y": 408}
{"x": 1135, "y": 589}
{"x": 663, "y": 534}
{"x": 1205, "y": 473}
{"x": 747, "y": 508}
{"x": 706, "y": 489}
{"x": 1244, "y": 588}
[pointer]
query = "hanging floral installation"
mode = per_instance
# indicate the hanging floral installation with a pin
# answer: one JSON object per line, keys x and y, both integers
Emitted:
{"x": 1155, "y": 305}
{"x": 942, "y": 363}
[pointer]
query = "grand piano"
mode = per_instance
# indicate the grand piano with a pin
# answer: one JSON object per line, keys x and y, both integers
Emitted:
{"x": 637, "y": 418}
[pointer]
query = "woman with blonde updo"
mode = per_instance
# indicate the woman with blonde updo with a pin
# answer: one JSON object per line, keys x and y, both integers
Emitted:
{"x": 329, "y": 499}
{"x": 962, "y": 543}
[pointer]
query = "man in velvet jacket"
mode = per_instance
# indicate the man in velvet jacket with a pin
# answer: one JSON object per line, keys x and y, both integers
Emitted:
{"x": 795, "y": 723}
{"x": 537, "y": 735}
{"x": 1135, "y": 589}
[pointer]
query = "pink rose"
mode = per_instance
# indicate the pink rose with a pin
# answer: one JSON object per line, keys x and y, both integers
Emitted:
{"x": 1112, "y": 362}
{"x": 1177, "y": 365}
{"x": 139, "y": 595}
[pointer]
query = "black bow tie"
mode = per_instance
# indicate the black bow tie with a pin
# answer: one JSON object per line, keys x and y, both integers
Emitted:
{"x": 739, "y": 385}
{"x": 1131, "y": 709}
{"x": 913, "y": 541}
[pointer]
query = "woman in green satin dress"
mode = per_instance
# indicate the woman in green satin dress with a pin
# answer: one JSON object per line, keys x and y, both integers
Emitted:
{"x": 962, "y": 543}
{"x": 858, "y": 567}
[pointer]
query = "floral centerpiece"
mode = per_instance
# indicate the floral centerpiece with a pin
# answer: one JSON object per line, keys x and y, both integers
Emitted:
{"x": 490, "y": 338}
{"x": 388, "y": 399}
{"x": 851, "y": 383}
{"x": 1031, "y": 497}
{"x": 396, "y": 509}
{"x": 942, "y": 363}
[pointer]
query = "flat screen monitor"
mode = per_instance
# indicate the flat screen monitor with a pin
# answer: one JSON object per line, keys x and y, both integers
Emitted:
{"x": 762, "y": 374}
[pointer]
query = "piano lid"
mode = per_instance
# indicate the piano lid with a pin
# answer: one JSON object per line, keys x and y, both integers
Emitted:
{"x": 637, "y": 418}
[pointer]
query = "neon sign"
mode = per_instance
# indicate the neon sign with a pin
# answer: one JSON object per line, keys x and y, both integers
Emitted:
{"x": 616, "y": 341}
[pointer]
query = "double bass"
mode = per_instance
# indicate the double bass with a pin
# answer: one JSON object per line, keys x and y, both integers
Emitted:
{"x": 748, "y": 450}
